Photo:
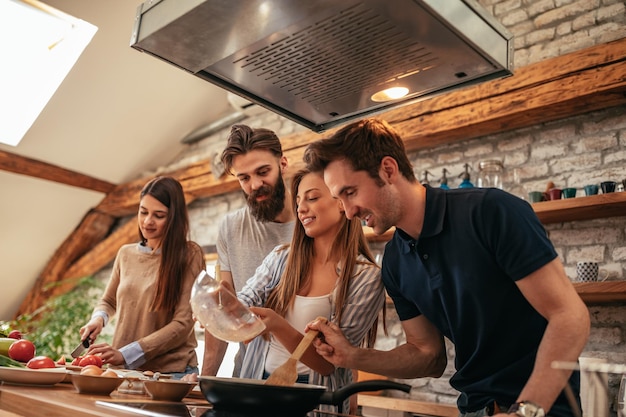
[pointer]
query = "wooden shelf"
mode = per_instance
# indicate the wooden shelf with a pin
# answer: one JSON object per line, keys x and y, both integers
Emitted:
{"x": 602, "y": 292}
{"x": 566, "y": 210}
{"x": 581, "y": 208}
{"x": 592, "y": 293}
{"x": 556, "y": 211}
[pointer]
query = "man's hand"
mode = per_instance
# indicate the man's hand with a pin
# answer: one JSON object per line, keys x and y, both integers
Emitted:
{"x": 332, "y": 345}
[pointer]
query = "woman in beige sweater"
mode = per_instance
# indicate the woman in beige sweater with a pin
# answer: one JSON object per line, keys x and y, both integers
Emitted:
{"x": 149, "y": 289}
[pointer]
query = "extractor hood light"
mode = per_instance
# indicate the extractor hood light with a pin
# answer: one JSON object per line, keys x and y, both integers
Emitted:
{"x": 390, "y": 94}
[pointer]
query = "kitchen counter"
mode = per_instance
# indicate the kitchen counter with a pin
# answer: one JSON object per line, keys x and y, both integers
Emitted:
{"x": 62, "y": 400}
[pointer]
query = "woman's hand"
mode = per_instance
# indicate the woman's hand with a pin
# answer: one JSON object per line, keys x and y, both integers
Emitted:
{"x": 92, "y": 329}
{"x": 107, "y": 353}
{"x": 272, "y": 320}
{"x": 190, "y": 377}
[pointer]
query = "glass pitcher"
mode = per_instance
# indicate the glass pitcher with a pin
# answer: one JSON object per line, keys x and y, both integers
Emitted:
{"x": 220, "y": 311}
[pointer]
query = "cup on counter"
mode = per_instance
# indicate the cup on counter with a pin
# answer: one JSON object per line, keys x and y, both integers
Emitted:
{"x": 569, "y": 192}
{"x": 555, "y": 193}
{"x": 590, "y": 272}
{"x": 535, "y": 196}
{"x": 591, "y": 189}
{"x": 608, "y": 186}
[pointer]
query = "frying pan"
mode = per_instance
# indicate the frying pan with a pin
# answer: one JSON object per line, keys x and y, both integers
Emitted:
{"x": 253, "y": 395}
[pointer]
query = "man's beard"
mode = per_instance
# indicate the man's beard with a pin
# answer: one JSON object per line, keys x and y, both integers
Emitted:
{"x": 267, "y": 210}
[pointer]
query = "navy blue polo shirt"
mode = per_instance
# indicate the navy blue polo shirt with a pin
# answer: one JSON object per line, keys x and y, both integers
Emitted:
{"x": 460, "y": 274}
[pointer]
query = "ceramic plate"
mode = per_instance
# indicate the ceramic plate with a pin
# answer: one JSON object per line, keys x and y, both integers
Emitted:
{"x": 25, "y": 376}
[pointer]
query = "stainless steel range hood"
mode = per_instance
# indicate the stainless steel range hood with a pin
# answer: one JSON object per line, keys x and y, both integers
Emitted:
{"x": 319, "y": 62}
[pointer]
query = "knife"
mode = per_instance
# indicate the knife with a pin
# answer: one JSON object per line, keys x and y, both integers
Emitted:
{"x": 80, "y": 348}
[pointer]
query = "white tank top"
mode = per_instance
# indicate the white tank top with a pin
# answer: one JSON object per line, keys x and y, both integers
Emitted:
{"x": 305, "y": 309}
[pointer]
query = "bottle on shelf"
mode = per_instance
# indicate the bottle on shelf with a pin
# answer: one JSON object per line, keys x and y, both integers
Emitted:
{"x": 444, "y": 180}
{"x": 465, "y": 176}
{"x": 425, "y": 180}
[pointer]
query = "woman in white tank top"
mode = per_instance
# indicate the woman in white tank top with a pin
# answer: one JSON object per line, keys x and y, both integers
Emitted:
{"x": 327, "y": 270}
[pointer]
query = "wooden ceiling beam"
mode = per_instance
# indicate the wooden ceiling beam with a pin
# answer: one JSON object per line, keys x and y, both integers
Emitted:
{"x": 34, "y": 168}
{"x": 569, "y": 85}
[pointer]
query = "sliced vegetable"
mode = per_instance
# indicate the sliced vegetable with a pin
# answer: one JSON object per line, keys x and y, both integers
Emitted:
{"x": 5, "y": 344}
{"x": 91, "y": 360}
{"x": 6, "y": 361}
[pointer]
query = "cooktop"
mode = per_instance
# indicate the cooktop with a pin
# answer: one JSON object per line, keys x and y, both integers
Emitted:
{"x": 166, "y": 409}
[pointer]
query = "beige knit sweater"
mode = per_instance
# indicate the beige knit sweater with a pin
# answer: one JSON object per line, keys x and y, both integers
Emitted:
{"x": 169, "y": 346}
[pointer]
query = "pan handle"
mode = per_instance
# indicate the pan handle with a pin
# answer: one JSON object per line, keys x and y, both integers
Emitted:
{"x": 337, "y": 397}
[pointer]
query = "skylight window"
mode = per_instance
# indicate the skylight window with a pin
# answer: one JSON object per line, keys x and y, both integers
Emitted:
{"x": 40, "y": 45}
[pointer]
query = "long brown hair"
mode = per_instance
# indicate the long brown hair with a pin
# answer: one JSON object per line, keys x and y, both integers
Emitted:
{"x": 175, "y": 245}
{"x": 348, "y": 244}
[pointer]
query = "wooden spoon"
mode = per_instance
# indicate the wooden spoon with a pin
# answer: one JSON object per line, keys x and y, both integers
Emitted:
{"x": 286, "y": 374}
{"x": 218, "y": 278}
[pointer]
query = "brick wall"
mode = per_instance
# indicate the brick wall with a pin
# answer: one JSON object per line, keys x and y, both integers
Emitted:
{"x": 570, "y": 152}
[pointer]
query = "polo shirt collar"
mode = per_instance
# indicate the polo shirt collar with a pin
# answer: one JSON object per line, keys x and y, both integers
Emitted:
{"x": 434, "y": 213}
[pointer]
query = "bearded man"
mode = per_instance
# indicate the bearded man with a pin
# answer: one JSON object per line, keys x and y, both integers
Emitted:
{"x": 248, "y": 234}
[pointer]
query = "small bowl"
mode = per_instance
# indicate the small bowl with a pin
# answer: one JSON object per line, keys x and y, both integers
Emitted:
{"x": 133, "y": 382}
{"x": 168, "y": 389}
{"x": 95, "y": 385}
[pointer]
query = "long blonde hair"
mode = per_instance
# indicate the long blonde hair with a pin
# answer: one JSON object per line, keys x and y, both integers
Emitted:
{"x": 348, "y": 244}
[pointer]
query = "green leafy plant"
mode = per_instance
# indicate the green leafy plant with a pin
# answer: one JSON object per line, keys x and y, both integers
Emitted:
{"x": 54, "y": 327}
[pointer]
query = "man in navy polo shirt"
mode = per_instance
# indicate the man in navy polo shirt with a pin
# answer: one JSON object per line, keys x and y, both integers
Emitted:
{"x": 473, "y": 265}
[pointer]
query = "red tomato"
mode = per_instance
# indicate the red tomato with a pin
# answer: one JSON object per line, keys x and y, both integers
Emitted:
{"x": 61, "y": 360}
{"x": 91, "y": 360}
{"x": 22, "y": 350}
{"x": 76, "y": 361}
{"x": 39, "y": 362}
{"x": 15, "y": 334}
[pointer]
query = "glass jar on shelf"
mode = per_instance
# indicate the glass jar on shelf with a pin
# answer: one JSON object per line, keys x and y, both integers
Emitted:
{"x": 490, "y": 173}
